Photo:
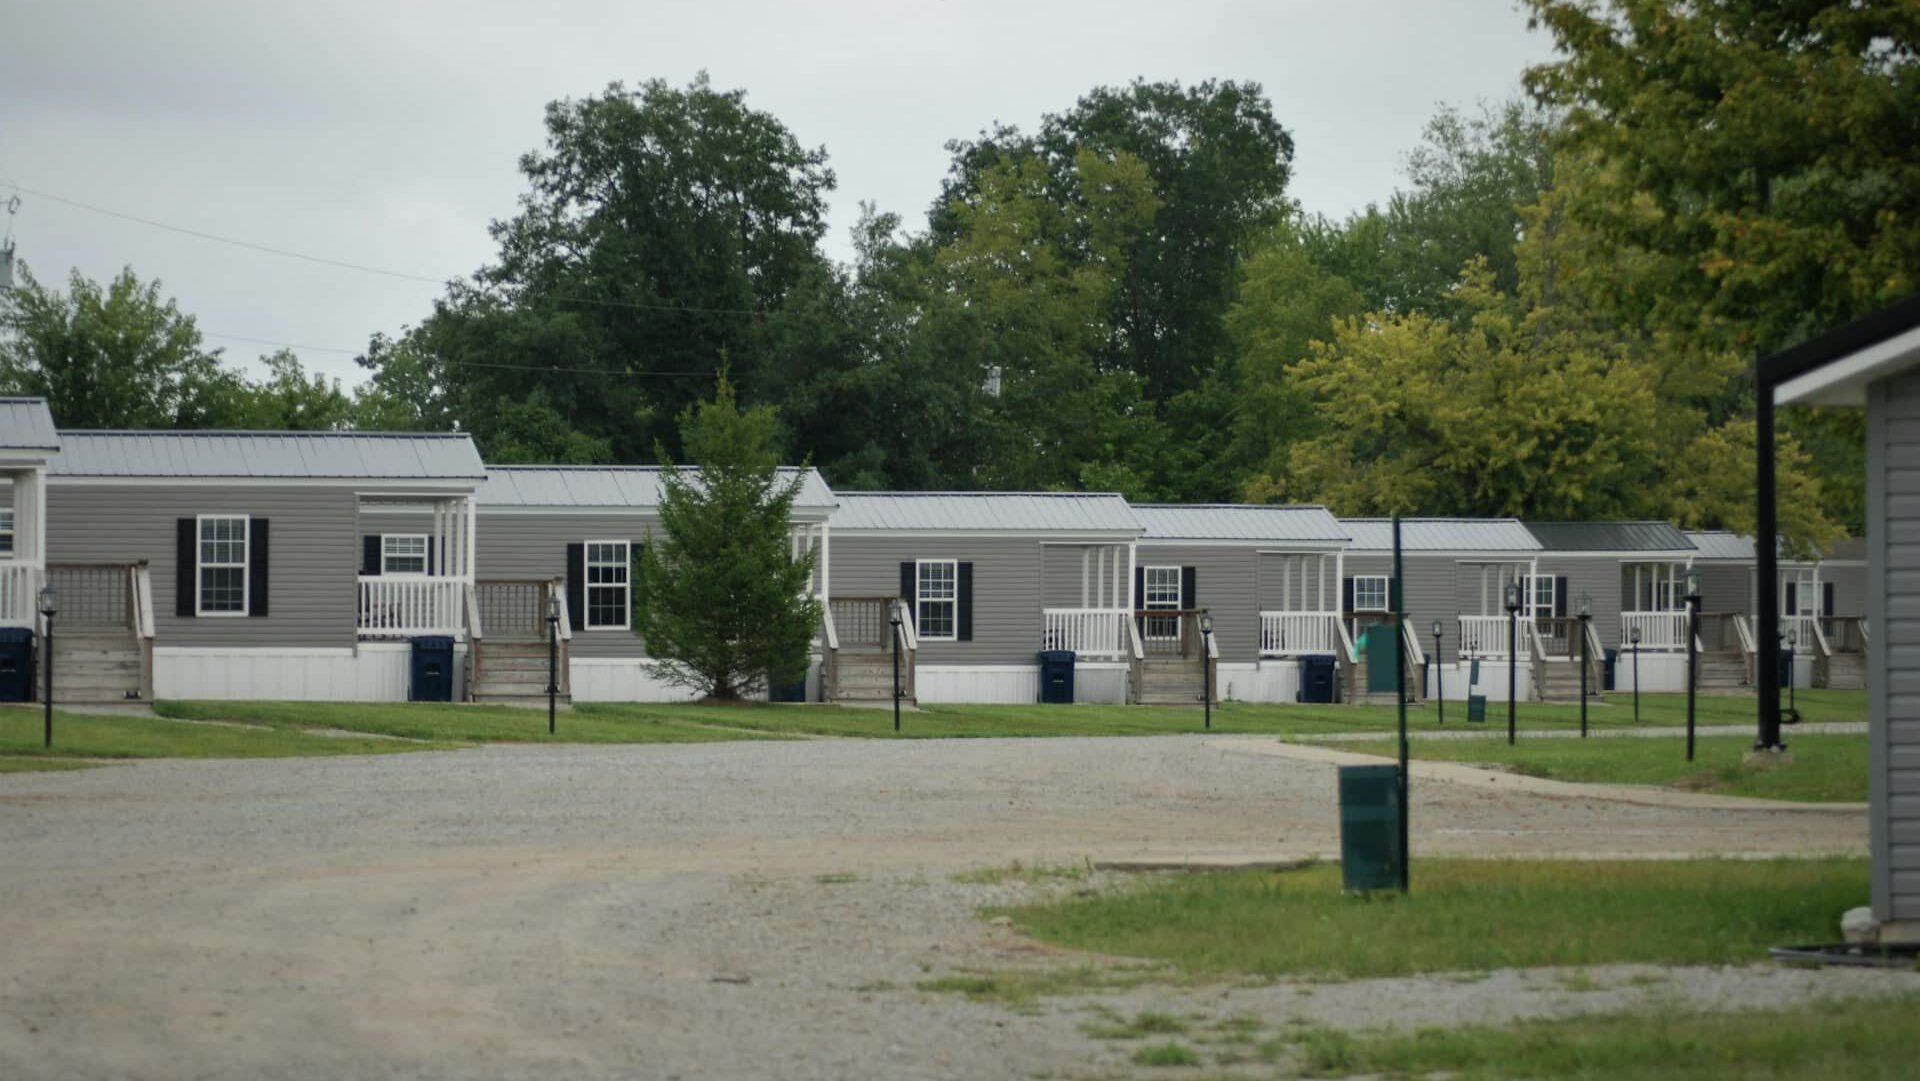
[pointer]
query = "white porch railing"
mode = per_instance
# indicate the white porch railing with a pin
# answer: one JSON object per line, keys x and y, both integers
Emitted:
{"x": 395, "y": 606}
{"x": 1483, "y": 636}
{"x": 1287, "y": 634}
{"x": 1658, "y": 630}
{"x": 1093, "y": 633}
{"x": 19, "y": 594}
{"x": 1805, "y": 630}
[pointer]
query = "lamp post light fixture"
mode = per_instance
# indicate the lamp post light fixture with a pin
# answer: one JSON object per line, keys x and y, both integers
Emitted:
{"x": 1693, "y": 652}
{"x": 1633, "y": 639}
{"x": 553, "y": 656}
{"x": 1513, "y": 655}
{"x": 1586, "y": 617}
{"x": 893, "y": 622}
{"x": 1439, "y": 677}
{"x": 1206, "y": 665}
{"x": 49, "y": 607}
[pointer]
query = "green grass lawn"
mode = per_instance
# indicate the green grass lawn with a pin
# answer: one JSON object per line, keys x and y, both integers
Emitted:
{"x": 1823, "y": 769}
{"x": 1855, "y": 1040}
{"x": 1462, "y": 916}
{"x": 84, "y": 736}
{"x": 948, "y": 721}
{"x": 458, "y": 723}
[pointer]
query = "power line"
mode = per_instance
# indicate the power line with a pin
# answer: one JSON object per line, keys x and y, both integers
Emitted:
{"x": 363, "y": 267}
{"x": 457, "y": 363}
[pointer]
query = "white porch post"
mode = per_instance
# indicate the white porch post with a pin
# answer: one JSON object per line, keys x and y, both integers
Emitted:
{"x": 473, "y": 524}
{"x": 1133, "y": 602}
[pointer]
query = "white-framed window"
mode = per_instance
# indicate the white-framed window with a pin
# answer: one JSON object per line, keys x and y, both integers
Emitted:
{"x": 1370, "y": 592}
{"x": 1537, "y": 594}
{"x": 609, "y": 585}
{"x": 220, "y": 576}
{"x": 403, "y": 553}
{"x": 6, "y": 531}
{"x": 1160, "y": 589}
{"x": 936, "y": 599}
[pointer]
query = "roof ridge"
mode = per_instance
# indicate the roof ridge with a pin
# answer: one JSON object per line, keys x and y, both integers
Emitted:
{"x": 1227, "y": 506}
{"x": 949, "y": 494}
{"x": 629, "y": 466}
{"x": 256, "y": 433}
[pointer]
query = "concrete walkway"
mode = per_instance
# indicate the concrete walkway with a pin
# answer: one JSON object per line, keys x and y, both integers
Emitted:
{"x": 1455, "y": 773}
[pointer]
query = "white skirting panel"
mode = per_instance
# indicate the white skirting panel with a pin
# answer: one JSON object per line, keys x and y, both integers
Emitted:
{"x": 1453, "y": 679}
{"x": 1100, "y": 684}
{"x": 1259, "y": 681}
{"x": 1007, "y": 684}
{"x": 621, "y": 679}
{"x": 376, "y": 672}
{"x": 1658, "y": 672}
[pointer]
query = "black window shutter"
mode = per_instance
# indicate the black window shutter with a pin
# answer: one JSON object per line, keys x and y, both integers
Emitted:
{"x": 1139, "y": 587}
{"x": 257, "y": 561}
{"x": 1189, "y": 588}
{"x": 431, "y": 551}
{"x": 963, "y": 589}
{"x": 577, "y": 585}
{"x": 1826, "y": 599}
{"x": 186, "y": 559}
{"x": 633, "y": 582}
{"x": 909, "y": 584}
{"x": 370, "y": 554}
{"x": 1560, "y": 596}
{"x": 1346, "y": 594}
{"x": 1793, "y": 600}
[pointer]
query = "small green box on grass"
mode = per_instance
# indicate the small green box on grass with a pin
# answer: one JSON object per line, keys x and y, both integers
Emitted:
{"x": 1477, "y": 708}
{"x": 1370, "y": 828}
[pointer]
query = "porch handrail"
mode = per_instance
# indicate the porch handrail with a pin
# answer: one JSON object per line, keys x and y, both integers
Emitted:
{"x": 1134, "y": 644}
{"x": 1484, "y": 636}
{"x": 1414, "y": 652}
{"x": 403, "y": 607}
{"x": 1284, "y": 633}
{"x": 1658, "y": 630}
{"x": 1347, "y": 648}
{"x": 142, "y": 600}
{"x": 473, "y": 615}
{"x": 827, "y": 632}
{"x": 1820, "y": 640}
{"x": 910, "y": 637}
{"x": 1744, "y": 632}
{"x": 1091, "y": 632}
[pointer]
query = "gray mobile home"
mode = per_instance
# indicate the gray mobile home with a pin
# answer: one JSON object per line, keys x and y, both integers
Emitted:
{"x": 224, "y": 564}
{"x": 982, "y": 582}
{"x": 1873, "y": 364}
{"x": 569, "y": 535}
{"x": 1269, "y": 576}
{"x": 1631, "y": 574}
{"x": 1822, "y": 606}
{"x": 1455, "y": 570}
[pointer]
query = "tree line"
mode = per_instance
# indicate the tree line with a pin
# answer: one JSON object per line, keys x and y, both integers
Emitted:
{"x": 1555, "y": 316}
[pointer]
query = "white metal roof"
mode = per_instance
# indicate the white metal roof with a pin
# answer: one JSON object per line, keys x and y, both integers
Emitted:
{"x": 269, "y": 455}
{"x": 1239, "y": 521}
{"x": 1441, "y": 535}
{"x": 1721, "y": 544}
{"x": 614, "y": 486}
{"x": 25, "y": 424}
{"x": 1021, "y": 512}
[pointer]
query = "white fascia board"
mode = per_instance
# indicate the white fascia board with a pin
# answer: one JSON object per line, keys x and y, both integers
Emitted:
{"x": 1049, "y": 536}
{"x": 1267, "y": 545}
{"x": 424, "y": 488}
{"x": 1844, "y": 381}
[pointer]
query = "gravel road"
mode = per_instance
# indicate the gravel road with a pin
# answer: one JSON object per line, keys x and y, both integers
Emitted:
{"x": 699, "y": 911}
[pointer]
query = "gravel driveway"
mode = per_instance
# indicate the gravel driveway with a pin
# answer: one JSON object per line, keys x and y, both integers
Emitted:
{"x": 696, "y": 911}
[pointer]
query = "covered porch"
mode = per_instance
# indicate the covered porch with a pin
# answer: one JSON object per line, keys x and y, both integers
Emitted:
{"x": 1101, "y": 627}
{"x": 1307, "y": 620}
{"x": 1487, "y": 632}
{"x": 413, "y": 584}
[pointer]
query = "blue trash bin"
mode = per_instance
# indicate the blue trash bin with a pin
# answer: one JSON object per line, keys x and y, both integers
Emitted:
{"x": 1317, "y": 680}
{"x": 432, "y": 669}
{"x": 16, "y": 664}
{"x": 1056, "y": 676}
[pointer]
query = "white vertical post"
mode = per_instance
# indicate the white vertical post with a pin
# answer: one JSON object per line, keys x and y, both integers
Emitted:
{"x": 1133, "y": 602}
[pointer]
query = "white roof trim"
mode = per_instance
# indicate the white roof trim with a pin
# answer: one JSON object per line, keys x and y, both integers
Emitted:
{"x": 1844, "y": 381}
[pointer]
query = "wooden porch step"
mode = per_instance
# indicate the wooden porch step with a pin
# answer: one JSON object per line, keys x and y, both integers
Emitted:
{"x": 525, "y": 701}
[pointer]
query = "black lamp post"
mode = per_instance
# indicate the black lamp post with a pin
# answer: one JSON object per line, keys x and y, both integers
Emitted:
{"x": 49, "y": 607}
{"x": 1633, "y": 639}
{"x": 1586, "y": 616}
{"x": 893, "y": 621}
{"x": 553, "y": 657}
{"x": 1693, "y": 654}
{"x": 1513, "y": 655}
{"x": 1206, "y": 665}
{"x": 1439, "y": 676}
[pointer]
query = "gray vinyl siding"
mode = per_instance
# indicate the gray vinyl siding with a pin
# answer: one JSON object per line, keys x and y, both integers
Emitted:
{"x": 523, "y": 546}
{"x": 1435, "y": 588}
{"x": 1602, "y": 578}
{"x": 1007, "y": 588}
{"x": 1725, "y": 588}
{"x": 1226, "y": 584}
{"x": 1849, "y": 589}
{"x": 312, "y": 559}
{"x": 1893, "y": 673}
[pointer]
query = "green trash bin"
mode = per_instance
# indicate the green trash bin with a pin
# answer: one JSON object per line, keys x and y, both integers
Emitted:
{"x": 1370, "y": 828}
{"x": 1476, "y": 709}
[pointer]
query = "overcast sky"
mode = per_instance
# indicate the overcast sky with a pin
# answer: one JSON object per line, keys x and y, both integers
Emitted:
{"x": 386, "y": 133}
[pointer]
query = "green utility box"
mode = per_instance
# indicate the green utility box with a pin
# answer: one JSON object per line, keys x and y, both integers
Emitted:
{"x": 1477, "y": 708}
{"x": 1370, "y": 828}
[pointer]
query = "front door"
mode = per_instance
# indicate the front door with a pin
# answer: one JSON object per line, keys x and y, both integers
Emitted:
{"x": 1382, "y": 644}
